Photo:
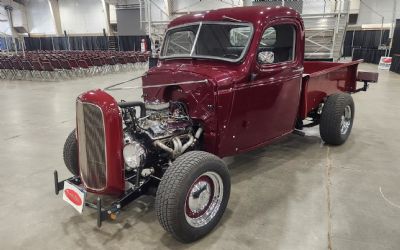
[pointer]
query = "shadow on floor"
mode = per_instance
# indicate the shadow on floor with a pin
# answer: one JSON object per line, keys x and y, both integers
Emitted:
{"x": 258, "y": 163}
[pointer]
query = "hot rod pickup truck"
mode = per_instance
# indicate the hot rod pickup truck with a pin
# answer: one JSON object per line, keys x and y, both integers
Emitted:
{"x": 228, "y": 81}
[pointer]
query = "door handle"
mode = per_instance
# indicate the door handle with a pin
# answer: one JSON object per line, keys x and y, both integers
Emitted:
{"x": 253, "y": 76}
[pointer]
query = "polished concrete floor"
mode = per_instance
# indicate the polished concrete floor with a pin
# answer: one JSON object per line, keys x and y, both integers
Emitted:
{"x": 295, "y": 194}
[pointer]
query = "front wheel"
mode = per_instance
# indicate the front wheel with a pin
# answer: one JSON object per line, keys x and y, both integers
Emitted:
{"x": 192, "y": 195}
{"x": 70, "y": 153}
{"x": 337, "y": 118}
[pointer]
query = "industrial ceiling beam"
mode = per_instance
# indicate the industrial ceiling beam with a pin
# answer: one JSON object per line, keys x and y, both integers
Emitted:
{"x": 106, "y": 11}
{"x": 168, "y": 7}
{"x": 55, "y": 13}
{"x": 9, "y": 9}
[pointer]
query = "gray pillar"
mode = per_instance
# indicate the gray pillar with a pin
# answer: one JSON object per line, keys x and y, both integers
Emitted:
{"x": 55, "y": 11}
{"x": 9, "y": 9}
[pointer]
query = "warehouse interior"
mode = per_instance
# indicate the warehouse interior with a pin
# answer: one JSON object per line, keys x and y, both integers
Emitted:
{"x": 296, "y": 193}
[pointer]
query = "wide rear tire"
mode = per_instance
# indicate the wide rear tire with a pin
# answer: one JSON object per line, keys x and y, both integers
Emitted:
{"x": 337, "y": 119}
{"x": 70, "y": 153}
{"x": 192, "y": 195}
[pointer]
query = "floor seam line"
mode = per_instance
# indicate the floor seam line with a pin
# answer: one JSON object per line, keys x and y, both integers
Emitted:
{"x": 328, "y": 196}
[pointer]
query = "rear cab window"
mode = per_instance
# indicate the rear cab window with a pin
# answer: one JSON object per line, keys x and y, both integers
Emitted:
{"x": 278, "y": 42}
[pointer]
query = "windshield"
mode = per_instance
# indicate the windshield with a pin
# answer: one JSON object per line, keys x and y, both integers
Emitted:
{"x": 223, "y": 41}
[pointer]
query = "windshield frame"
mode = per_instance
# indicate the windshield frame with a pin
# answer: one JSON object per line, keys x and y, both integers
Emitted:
{"x": 189, "y": 56}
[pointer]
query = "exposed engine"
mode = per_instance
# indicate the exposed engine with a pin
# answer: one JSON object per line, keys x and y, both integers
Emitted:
{"x": 166, "y": 125}
{"x": 164, "y": 120}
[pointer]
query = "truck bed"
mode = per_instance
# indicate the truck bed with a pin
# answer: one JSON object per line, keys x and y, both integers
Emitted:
{"x": 321, "y": 79}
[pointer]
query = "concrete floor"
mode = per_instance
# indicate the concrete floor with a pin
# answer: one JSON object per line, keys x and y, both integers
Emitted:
{"x": 294, "y": 194}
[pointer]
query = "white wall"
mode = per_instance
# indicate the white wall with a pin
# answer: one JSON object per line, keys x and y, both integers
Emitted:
{"x": 196, "y": 5}
{"x": 18, "y": 16}
{"x": 317, "y": 7}
{"x": 77, "y": 17}
{"x": 354, "y": 6}
{"x": 113, "y": 14}
{"x": 82, "y": 16}
{"x": 383, "y": 7}
{"x": 158, "y": 8}
{"x": 40, "y": 19}
{"x": 158, "y": 11}
{"x": 4, "y": 25}
{"x": 87, "y": 16}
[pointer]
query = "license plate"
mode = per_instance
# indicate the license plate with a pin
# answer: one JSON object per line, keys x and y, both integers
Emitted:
{"x": 74, "y": 196}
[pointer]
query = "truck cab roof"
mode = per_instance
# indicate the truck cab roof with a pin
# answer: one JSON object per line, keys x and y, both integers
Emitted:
{"x": 257, "y": 15}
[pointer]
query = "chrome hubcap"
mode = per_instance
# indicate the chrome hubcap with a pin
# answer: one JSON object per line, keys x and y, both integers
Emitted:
{"x": 204, "y": 199}
{"x": 346, "y": 120}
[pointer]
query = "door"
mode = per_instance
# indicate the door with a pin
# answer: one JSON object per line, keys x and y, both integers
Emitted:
{"x": 266, "y": 107}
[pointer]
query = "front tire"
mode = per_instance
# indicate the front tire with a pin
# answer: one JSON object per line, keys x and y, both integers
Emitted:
{"x": 192, "y": 195}
{"x": 337, "y": 119}
{"x": 70, "y": 153}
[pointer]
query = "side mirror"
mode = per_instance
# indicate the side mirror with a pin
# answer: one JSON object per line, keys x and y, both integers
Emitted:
{"x": 265, "y": 57}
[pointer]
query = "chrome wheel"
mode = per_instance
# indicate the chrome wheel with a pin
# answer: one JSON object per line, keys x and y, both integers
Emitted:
{"x": 345, "y": 120}
{"x": 203, "y": 199}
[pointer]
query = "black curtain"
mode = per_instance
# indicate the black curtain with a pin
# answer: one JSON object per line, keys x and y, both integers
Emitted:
{"x": 46, "y": 43}
{"x": 395, "y": 51}
{"x": 370, "y": 38}
{"x": 75, "y": 43}
{"x": 32, "y": 43}
{"x": 3, "y": 43}
{"x": 123, "y": 43}
{"x": 396, "y": 39}
{"x": 369, "y": 55}
{"x": 60, "y": 43}
{"x": 347, "y": 43}
{"x": 132, "y": 43}
{"x": 366, "y": 39}
{"x": 95, "y": 42}
{"x": 395, "y": 66}
{"x": 88, "y": 43}
{"x": 8, "y": 43}
{"x": 43, "y": 43}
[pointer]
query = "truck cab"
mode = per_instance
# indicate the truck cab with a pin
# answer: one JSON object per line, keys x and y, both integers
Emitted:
{"x": 252, "y": 57}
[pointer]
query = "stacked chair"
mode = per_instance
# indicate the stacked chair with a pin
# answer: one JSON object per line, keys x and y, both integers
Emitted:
{"x": 56, "y": 65}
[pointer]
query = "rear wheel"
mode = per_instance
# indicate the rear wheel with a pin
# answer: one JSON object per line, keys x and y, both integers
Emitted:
{"x": 192, "y": 195}
{"x": 337, "y": 119}
{"x": 70, "y": 153}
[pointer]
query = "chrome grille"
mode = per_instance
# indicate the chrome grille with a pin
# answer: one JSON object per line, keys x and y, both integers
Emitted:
{"x": 91, "y": 142}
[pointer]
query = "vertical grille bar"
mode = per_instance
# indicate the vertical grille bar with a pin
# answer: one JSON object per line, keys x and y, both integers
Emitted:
{"x": 91, "y": 142}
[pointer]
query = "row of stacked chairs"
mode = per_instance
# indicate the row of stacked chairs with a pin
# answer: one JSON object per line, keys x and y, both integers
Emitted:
{"x": 57, "y": 65}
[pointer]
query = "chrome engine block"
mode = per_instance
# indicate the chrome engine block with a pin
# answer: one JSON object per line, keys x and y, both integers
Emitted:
{"x": 166, "y": 124}
{"x": 165, "y": 120}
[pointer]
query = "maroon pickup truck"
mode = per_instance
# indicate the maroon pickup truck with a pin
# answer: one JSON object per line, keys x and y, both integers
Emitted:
{"x": 228, "y": 81}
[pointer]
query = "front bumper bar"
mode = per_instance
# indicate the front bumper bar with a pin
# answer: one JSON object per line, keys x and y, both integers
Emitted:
{"x": 103, "y": 213}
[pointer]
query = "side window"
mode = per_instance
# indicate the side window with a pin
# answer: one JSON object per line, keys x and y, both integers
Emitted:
{"x": 277, "y": 44}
